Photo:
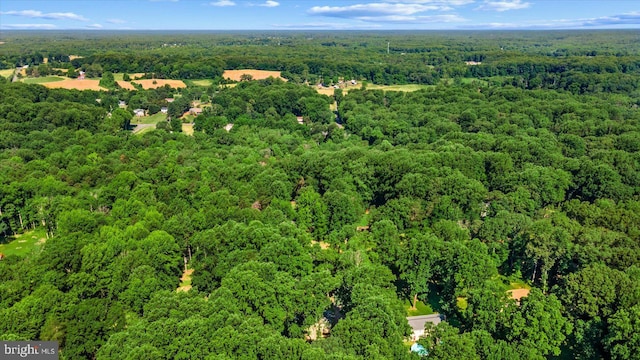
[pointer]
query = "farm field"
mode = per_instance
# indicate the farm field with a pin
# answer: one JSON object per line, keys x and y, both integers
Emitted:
{"x": 75, "y": 84}
{"x": 156, "y": 83}
{"x": 44, "y": 80}
{"x": 120, "y": 76}
{"x": 149, "y": 84}
{"x": 256, "y": 74}
{"x": 125, "y": 85}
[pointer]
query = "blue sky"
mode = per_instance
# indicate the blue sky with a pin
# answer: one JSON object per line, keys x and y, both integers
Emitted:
{"x": 318, "y": 14}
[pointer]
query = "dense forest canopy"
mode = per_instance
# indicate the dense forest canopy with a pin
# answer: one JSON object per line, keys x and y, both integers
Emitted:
{"x": 289, "y": 211}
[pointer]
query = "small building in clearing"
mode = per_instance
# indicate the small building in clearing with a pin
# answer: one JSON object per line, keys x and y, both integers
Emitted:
{"x": 164, "y": 110}
{"x": 138, "y": 112}
{"x": 417, "y": 324}
{"x": 195, "y": 111}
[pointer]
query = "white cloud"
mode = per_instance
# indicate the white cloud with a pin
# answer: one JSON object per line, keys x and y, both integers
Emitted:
{"x": 632, "y": 18}
{"x": 270, "y": 3}
{"x": 29, "y": 26}
{"x": 94, "y": 26}
{"x": 222, "y": 3}
{"x": 414, "y": 19}
{"x": 116, "y": 21}
{"x": 327, "y": 26}
{"x": 373, "y": 9}
{"x": 504, "y": 5}
{"x": 435, "y": 2}
{"x": 50, "y": 16}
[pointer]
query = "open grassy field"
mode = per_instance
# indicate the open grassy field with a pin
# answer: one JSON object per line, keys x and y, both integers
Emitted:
{"x": 24, "y": 244}
{"x": 152, "y": 119}
{"x": 120, "y": 76}
{"x": 187, "y": 129}
{"x": 146, "y": 130}
{"x": 43, "y": 80}
{"x": 257, "y": 74}
{"x": 327, "y": 90}
{"x": 421, "y": 308}
{"x": 407, "y": 87}
{"x": 75, "y": 84}
{"x": 202, "y": 82}
{"x": 6, "y": 73}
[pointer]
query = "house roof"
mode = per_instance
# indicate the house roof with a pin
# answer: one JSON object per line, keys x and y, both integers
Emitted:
{"x": 417, "y": 322}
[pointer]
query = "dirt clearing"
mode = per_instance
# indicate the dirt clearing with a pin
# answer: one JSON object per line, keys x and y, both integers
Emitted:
{"x": 518, "y": 294}
{"x": 185, "y": 281}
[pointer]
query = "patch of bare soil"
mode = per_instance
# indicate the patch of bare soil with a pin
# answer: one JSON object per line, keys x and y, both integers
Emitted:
{"x": 518, "y": 294}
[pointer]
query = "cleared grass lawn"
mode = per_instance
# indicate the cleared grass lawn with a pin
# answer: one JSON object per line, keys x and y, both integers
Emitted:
{"x": 519, "y": 285}
{"x": 407, "y": 87}
{"x": 203, "y": 82}
{"x": 187, "y": 118}
{"x": 146, "y": 130}
{"x": 421, "y": 308}
{"x": 120, "y": 76}
{"x": 43, "y": 80}
{"x": 6, "y": 73}
{"x": 187, "y": 129}
{"x": 153, "y": 119}
{"x": 24, "y": 244}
